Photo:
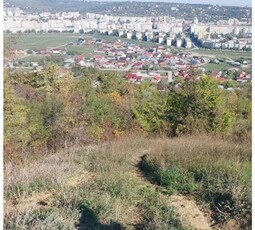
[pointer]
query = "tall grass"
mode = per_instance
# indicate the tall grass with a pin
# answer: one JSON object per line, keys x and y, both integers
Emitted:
{"x": 217, "y": 172}
{"x": 94, "y": 187}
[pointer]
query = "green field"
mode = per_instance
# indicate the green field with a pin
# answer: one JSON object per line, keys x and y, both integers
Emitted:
{"x": 51, "y": 40}
{"x": 38, "y": 41}
{"x": 233, "y": 54}
{"x": 213, "y": 66}
{"x": 87, "y": 50}
{"x": 114, "y": 38}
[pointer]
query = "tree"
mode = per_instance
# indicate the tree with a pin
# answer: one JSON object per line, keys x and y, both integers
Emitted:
{"x": 192, "y": 106}
{"x": 16, "y": 134}
{"x": 149, "y": 107}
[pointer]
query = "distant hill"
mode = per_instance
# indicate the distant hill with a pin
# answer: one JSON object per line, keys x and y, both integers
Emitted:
{"x": 43, "y": 4}
{"x": 204, "y": 12}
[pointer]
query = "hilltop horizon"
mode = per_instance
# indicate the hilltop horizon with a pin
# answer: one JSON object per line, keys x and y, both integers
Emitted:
{"x": 207, "y": 2}
{"x": 234, "y": 3}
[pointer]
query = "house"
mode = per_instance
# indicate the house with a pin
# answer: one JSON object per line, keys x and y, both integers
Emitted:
{"x": 137, "y": 79}
{"x": 168, "y": 56}
{"x": 98, "y": 57}
{"x": 78, "y": 58}
{"x": 163, "y": 64}
{"x": 239, "y": 79}
{"x": 137, "y": 65}
{"x": 43, "y": 51}
{"x": 156, "y": 79}
{"x": 121, "y": 63}
{"x": 108, "y": 65}
{"x": 148, "y": 55}
{"x": 134, "y": 77}
{"x": 22, "y": 52}
{"x": 130, "y": 75}
{"x": 216, "y": 73}
{"x": 13, "y": 51}
{"x": 7, "y": 62}
{"x": 56, "y": 51}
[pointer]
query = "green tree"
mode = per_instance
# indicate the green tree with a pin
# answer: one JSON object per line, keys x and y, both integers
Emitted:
{"x": 16, "y": 134}
{"x": 149, "y": 107}
{"x": 192, "y": 106}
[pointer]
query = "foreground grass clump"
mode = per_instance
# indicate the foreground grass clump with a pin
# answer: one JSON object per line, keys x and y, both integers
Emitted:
{"x": 94, "y": 187}
{"x": 217, "y": 172}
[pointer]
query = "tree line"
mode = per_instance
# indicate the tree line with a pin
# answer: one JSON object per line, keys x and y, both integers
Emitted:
{"x": 44, "y": 112}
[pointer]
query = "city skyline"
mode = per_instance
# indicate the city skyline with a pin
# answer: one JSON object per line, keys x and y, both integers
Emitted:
{"x": 211, "y": 2}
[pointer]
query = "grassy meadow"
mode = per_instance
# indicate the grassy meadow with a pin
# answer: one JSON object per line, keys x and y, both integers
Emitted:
{"x": 221, "y": 66}
{"x": 38, "y": 41}
{"x": 233, "y": 54}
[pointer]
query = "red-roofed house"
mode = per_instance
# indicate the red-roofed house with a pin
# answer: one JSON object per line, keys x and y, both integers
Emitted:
{"x": 137, "y": 65}
{"x": 216, "y": 73}
{"x": 130, "y": 75}
{"x": 168, "y": 56}
{"x": 43, "y": 51}
{"x": 79, "y": 58}
{"x": 134, "y": 77}
{"x": 56, "y": 51}
{"x": 239, "y": 79}
{"x": 98, "y": 57}
{"x": 163, "y": 64}
{"x": 156, "y": 79}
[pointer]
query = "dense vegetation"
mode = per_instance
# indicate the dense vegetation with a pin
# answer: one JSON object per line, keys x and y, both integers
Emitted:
{"x": 45, "y": 111}
{"x": 209, "y": 157}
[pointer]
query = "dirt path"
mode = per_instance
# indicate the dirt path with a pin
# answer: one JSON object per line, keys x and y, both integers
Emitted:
{"x": 188, "y": 211}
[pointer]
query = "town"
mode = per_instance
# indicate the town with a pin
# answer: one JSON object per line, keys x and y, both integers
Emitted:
{"x": 229, "y": 33}
{"x": 136, "y": 62}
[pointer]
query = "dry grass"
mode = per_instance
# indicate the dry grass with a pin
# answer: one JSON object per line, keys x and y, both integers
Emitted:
{"x": 216, "y": 171}
{"x": 94, "y": 182}
{"x": 101, "y": 187}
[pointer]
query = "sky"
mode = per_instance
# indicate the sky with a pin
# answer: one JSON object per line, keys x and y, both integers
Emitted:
{"x": 212, "y": 2}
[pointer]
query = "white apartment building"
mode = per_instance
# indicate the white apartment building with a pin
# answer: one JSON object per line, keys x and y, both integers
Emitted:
{"x": 178, "y": 42}
{"x": 129, "y": 34}
{"x": 160, "y": 39}
{"x": 188, "y": 43}
{"x": 169, "y": 41}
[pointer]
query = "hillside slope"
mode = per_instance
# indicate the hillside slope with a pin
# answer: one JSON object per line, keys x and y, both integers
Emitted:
{"x": 103, "y": 187}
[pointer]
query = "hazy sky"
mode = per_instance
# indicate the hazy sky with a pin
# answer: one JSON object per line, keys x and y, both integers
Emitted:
{"x": 213, "y": 2}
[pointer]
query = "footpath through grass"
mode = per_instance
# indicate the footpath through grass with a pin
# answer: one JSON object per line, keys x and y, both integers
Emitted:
{"x": 215, "y": 171}
{"x": 98, "y": 187}
{"x": 87, "y": 188}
